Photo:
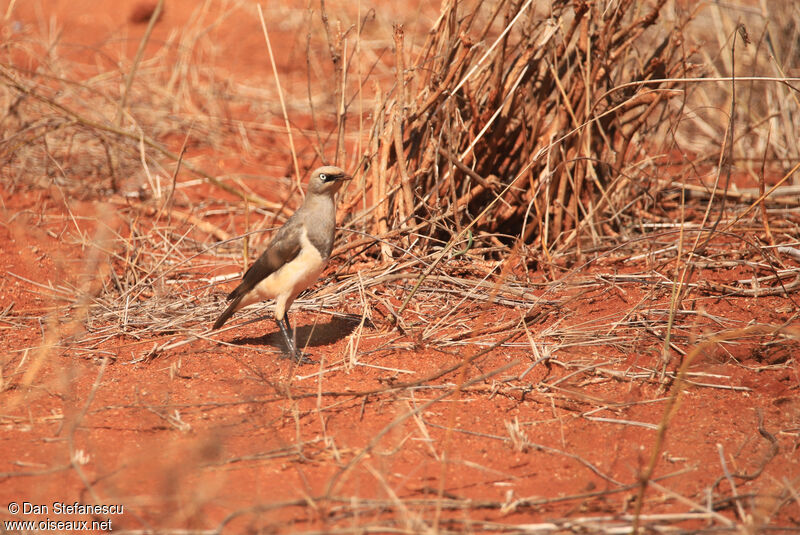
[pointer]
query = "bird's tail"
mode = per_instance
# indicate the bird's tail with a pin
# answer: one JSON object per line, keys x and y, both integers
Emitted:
{"x": 228, "y": 312}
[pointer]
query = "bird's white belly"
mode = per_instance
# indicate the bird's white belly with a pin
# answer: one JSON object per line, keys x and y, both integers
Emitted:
{"x": 285, "y": 284}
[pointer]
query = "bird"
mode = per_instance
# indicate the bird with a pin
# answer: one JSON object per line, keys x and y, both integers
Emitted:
{"x": 295, "y": 257}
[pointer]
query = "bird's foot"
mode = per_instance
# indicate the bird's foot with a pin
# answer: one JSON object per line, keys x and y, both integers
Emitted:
{"x": 298, "y": 356}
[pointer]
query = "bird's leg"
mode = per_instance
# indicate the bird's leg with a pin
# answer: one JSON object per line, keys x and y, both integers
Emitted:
{"x": 302, "y": 358}
{"x": 289, "y": 328}
{"x": 296, "y": 355}
{"x": 286, "y": 338}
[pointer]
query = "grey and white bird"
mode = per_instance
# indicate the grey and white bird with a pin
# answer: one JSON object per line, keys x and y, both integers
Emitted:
{"x": 295, "y": 257}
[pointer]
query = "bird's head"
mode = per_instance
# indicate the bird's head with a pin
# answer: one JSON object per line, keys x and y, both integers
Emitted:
{"x": 327, "y": 180}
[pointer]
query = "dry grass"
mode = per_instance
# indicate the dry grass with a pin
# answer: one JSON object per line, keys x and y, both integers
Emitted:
{"x": 508, "y": 156}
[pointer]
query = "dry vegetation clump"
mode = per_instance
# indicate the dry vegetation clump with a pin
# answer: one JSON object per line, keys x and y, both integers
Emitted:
{"x": 523, "y": 121}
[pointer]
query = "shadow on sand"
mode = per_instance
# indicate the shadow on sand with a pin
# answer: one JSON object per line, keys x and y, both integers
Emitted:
{"x": 312, "y": 335}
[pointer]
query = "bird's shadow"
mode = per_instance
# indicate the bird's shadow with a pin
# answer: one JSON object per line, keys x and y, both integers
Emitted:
{"x": 311, "y": 335}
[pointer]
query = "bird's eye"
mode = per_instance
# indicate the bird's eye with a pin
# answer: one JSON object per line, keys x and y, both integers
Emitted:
{"x": 323, "y": 177}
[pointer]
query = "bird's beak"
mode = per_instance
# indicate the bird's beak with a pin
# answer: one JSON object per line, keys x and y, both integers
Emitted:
{"x": 345, "y": 177}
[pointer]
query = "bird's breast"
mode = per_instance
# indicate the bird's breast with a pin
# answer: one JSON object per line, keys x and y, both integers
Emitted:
{"x": 296, "y": 275}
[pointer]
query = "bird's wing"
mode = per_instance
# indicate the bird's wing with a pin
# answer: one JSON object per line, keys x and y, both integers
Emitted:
{"x": 283, "y": 248}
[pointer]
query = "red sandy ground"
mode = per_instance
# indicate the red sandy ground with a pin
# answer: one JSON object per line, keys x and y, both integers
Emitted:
{"x": 206, "y": 430}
